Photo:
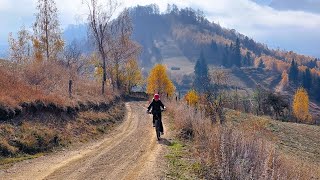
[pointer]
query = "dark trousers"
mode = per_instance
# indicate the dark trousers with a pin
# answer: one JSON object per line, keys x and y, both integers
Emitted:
{"x": 154, "y": 118}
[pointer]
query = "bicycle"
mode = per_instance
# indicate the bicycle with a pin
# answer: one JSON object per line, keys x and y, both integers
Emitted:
{"x": 157, "y": 122}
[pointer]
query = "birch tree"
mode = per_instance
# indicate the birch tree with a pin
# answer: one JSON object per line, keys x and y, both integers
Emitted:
{"x": 47, "y": 29}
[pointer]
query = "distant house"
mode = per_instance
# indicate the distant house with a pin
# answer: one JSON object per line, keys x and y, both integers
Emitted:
{"x": 138, "y": 89}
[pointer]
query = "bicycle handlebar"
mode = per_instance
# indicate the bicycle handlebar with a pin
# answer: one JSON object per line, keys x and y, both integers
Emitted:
{"x": 151, "y": 112}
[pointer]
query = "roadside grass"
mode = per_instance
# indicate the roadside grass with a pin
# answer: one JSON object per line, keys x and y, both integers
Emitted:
{"x": 247, "y": 146}
{"x": 25, "y": 139}
{"x": 180, "y": 164}
{"x": 7, "y": 162}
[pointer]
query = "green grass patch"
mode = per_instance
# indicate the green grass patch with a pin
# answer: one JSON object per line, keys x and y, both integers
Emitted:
{"x": 9, "y": 161}
{"x": 180, "y": 164}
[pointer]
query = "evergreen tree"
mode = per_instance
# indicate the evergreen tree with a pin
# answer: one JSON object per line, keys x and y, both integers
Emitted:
{"x": 316, "y": 88}
{"x": 225, "y": 61}
{"x": 307, "y": 79}
{"x": 293, "y": 72}
{"x": 202, "y": 81}
{"x": 214, "y": 46}
{"x": 232, "y": 55}
{"x": 312, "y": 64}
{"x": 261, "y": 64}
{"x": 247, "y": 61}
{"x": 237, "y": 54}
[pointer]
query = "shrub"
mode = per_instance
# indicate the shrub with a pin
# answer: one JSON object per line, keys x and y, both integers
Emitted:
{"x": 6, "y": 149}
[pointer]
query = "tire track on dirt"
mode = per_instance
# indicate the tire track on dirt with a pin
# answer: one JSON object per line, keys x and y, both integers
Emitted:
{"x": 129, "y": 152}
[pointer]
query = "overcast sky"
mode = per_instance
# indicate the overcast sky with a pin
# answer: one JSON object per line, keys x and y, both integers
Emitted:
{"x": 290, "y": 30}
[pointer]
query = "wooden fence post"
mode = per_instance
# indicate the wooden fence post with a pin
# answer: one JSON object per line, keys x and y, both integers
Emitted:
{"x": 70, "y": 88}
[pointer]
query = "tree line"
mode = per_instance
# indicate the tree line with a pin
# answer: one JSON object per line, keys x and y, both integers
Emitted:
{"x": 213, "y": 92}
{"x": 303, "y": 77}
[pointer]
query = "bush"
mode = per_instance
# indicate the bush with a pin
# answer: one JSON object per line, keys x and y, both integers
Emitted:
{"x": 6, "y": 149}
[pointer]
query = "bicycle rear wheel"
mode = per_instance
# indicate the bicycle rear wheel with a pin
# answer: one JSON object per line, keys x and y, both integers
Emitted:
{"x": 157, "y": 122}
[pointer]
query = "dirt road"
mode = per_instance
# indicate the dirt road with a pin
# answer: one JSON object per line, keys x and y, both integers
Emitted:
{"x": 129, "y": 152}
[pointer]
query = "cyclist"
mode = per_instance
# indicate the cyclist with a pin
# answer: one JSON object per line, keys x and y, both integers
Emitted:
{"x": 155, "y": 107}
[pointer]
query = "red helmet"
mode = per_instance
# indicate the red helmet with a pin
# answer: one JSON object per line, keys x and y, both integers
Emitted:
{"x": 156, "y": 97}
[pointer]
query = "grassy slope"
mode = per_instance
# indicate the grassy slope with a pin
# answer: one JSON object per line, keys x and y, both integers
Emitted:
{"x": 297, "y": 145}
{"x": 295, "y": 140}
{"x": 173, "y": 57}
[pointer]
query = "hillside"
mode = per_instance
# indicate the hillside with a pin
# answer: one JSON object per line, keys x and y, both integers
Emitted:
{"x": 192, "y": 33}
{"x": 178, "y": 36}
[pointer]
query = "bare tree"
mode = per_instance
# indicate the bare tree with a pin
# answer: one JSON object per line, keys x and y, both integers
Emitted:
{"x": 99, "y": 19}
{"x": 75, "y": 61}
{"x": 216, "y": 96}
{"x": 20, "y": 48}
{"x": 72, "y": 54}
{"x": 122, "y": 48}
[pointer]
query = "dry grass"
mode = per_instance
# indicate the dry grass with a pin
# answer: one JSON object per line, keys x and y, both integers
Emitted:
{"x": 47, "y": 132}
{"x": 48, "y": 83}
{"x": 296, "y": 140}
{"x": 242, "y": 149}
{"x": 37, "y": 114}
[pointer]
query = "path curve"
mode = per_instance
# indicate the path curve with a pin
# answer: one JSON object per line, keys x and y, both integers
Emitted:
{"x": 128, "y": 152}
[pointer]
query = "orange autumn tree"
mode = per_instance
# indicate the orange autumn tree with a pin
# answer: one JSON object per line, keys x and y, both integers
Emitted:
{"x": 192, "y": 98}
{"x": 284, "y": 81}
{"x": 159, "y": 82}
{"x": 301, "y": 106}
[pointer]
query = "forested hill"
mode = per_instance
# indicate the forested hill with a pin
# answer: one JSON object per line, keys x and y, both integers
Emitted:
{"x": 193, "y": 33}
{"x": 185, "y": 33}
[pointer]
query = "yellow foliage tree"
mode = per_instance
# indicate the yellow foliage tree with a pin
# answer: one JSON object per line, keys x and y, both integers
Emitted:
{"x": 159, "y": 82}
{"x": 192, "y": 98}
{"x": 47, "y": 29}
{"x": 133, "y": 74}
{"x": 37, "y": 51}
{"x": 98, "y": 71}
{"x": 301, "y": 105}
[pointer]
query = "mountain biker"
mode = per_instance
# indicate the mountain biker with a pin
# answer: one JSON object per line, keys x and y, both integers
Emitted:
{"x": 155, "y": 107}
